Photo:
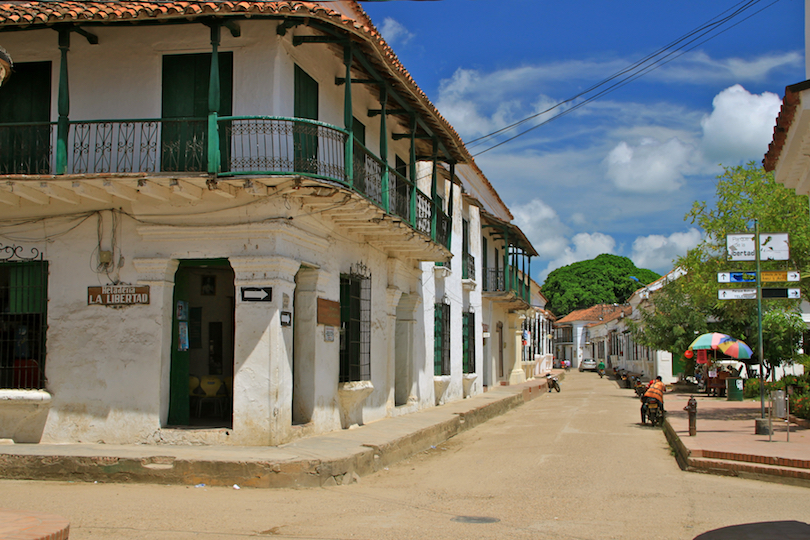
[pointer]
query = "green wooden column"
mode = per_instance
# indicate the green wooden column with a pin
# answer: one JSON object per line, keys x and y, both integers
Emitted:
{"x": 213, "y": 103}
{"x": 63, "y": 124}
{"x": 450, "y": 206}
{"x": 348, "y": 115}
{"x": 506, "y": 270}
{"x": 413, "y": 171}
{"x": 386, "y": 187}
{"x": 434, "y": 190}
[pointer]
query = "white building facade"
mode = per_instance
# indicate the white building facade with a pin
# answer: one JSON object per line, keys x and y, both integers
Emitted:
{"x": 224, "y": 227}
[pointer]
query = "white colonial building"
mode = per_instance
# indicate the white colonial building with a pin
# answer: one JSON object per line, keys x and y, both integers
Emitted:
{"x": 236, "y": 223}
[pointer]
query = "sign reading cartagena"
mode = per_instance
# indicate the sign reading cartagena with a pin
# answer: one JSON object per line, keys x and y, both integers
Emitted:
{"x": 117, "y": 295}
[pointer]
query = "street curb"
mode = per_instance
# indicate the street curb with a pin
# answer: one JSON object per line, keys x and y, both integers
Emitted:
{"x": 300, "y": 473}
{"x": 742, "y": 466}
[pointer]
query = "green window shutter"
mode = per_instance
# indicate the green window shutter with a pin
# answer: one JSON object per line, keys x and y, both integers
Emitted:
{"x": 27, "y": 290}
{"x": 185, "y": 95}
{"x": 305, "y": 136}
{"x": 468, "y": 342}
{"x": 26, "y": 98}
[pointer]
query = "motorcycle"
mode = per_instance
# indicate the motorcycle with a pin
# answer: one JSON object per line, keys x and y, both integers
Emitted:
{"x": 553, "y": 382}
{"x": 639, "y": 387}
{"x": 653, "y": 411}
{"x": 601, "y": 372}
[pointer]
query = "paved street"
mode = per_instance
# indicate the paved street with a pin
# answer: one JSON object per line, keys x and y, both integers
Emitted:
{"x": 573, "y": 465}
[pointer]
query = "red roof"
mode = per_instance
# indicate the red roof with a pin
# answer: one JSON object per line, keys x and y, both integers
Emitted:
{"x": 599, "y": 312}
{"x": 783, "y": 123}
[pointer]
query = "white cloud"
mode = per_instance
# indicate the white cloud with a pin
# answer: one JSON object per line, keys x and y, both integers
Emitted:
{"x": 541, "y": 224}
{"x": 394, "y": 32}
{"x": 740, "y": 126}
{"x": 650, "y": 166}
{"x": 700, "y": 68}
{"x": 584, "y": 246}
{"x": 656, "y": 252}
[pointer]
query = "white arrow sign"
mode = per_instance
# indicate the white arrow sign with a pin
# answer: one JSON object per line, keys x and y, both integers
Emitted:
{"x": 737, "y": 294}
{"x": 257, "y": 294}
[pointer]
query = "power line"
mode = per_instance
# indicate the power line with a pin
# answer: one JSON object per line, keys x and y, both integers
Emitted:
{"x": 660, "y": 57}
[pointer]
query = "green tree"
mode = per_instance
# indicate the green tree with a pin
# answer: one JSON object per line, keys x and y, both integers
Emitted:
{"x": 607, "y": 279}
{"x": 744, "y": 193}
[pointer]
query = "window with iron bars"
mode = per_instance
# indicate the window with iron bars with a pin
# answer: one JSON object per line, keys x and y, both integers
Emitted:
{"x": 355, "y": 328}
{"x": 23, "y": 324}
{"x": 468, "y": 342}
{"x": 441, "y": 339}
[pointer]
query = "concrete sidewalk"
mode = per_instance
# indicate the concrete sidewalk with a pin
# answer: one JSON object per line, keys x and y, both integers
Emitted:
{"x": 334, "y": 458}
{"x": 725, "y": 442}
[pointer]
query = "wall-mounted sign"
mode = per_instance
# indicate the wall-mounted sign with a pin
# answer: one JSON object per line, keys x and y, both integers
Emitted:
{"x": 328, "y": 312}
{"x": 286, "y": 318}
{"x": 117, "y": 295}
{"x": 256, "y": 294}
{"x": 329, "y": 333}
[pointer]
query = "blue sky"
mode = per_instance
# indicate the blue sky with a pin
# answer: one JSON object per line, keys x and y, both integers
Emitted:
{"x": 618, "y": 174}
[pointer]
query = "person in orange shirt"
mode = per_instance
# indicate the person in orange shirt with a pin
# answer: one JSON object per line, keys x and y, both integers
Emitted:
{"x": 655, "y": 391}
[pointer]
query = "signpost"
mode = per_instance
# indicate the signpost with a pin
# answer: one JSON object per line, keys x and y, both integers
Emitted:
{"x": 257, "y": 294}
{"x": 758, "y": 247}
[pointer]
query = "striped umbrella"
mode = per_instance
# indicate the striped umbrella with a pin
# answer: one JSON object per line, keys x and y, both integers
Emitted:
{"x": 708, "y": 341}
{"x": 735, "y": 349}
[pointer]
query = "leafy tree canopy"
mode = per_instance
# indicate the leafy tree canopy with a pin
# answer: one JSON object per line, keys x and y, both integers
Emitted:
{"x": 607, "y": 279}
{"x": 689, "y": 306}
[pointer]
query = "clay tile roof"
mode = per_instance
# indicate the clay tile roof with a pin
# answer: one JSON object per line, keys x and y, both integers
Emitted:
{"x": 594, "y": 313}
{"x": 783, "y": 123}
{"x": 23, "y": 14}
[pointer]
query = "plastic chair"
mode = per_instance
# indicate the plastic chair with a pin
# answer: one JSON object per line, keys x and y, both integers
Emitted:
{"x": 211, "y": 386}
{"x": 194, "y": 391}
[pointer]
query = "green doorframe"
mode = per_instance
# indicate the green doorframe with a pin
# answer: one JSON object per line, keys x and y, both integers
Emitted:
{"x": 179, "y": 370}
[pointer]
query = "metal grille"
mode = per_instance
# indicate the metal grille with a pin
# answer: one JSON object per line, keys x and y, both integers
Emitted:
{"x": 443, "y": 225}
{"x": 23, "y": 318}
{"x": 494, "y": 280}
{"x": 468, "y": 342}
{"x": 282, "y": 145}
{"x": 400, "y": 191}
{"x": 26, "y": 148}
{"x": 468, "y": 271}
{"x": 423, "y": 212}
{"x": 355, "y": 327}
{"x": 441, "y": 339}
{"x": 367, "y": 174}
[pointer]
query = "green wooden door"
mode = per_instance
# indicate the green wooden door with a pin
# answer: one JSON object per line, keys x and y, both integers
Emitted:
{"x": 184, "y": 133}
{"x": 26, "y": 99}
{"x": 305, "y": 136}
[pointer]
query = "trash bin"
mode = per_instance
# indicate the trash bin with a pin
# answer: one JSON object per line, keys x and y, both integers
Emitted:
{"x": 734, "y": 389}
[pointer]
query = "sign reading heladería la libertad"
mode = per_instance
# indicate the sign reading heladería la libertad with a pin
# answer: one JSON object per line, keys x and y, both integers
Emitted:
{"x": 772, "y": 247}
{"x": 117, "y": 295}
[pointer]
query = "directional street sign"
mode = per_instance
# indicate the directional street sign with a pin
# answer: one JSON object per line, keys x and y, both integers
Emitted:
{"x": 772, "y": 247}
{"x": 780, "y": 275}
{"x": 737, "y": 294}
{"x": 737, "y": 277}
{"x": 257, "y": 294}
{"x": 769, "y": 292}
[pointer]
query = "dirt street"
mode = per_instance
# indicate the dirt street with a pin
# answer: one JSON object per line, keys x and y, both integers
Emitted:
{"x": 573, "y": 465}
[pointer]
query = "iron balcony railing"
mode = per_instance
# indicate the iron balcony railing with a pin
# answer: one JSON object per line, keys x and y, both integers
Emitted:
{"x": 240, "y": 145}
{"x": 468, "y": 270}
{"x": 496, "y": 280}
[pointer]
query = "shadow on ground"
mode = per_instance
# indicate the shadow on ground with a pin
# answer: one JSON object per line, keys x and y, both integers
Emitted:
{"x": 769, "y": 530}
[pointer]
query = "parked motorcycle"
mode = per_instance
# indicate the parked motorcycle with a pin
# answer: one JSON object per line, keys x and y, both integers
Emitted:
{"x": 639, "y": 387}
{"x": 553, "y": 382}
